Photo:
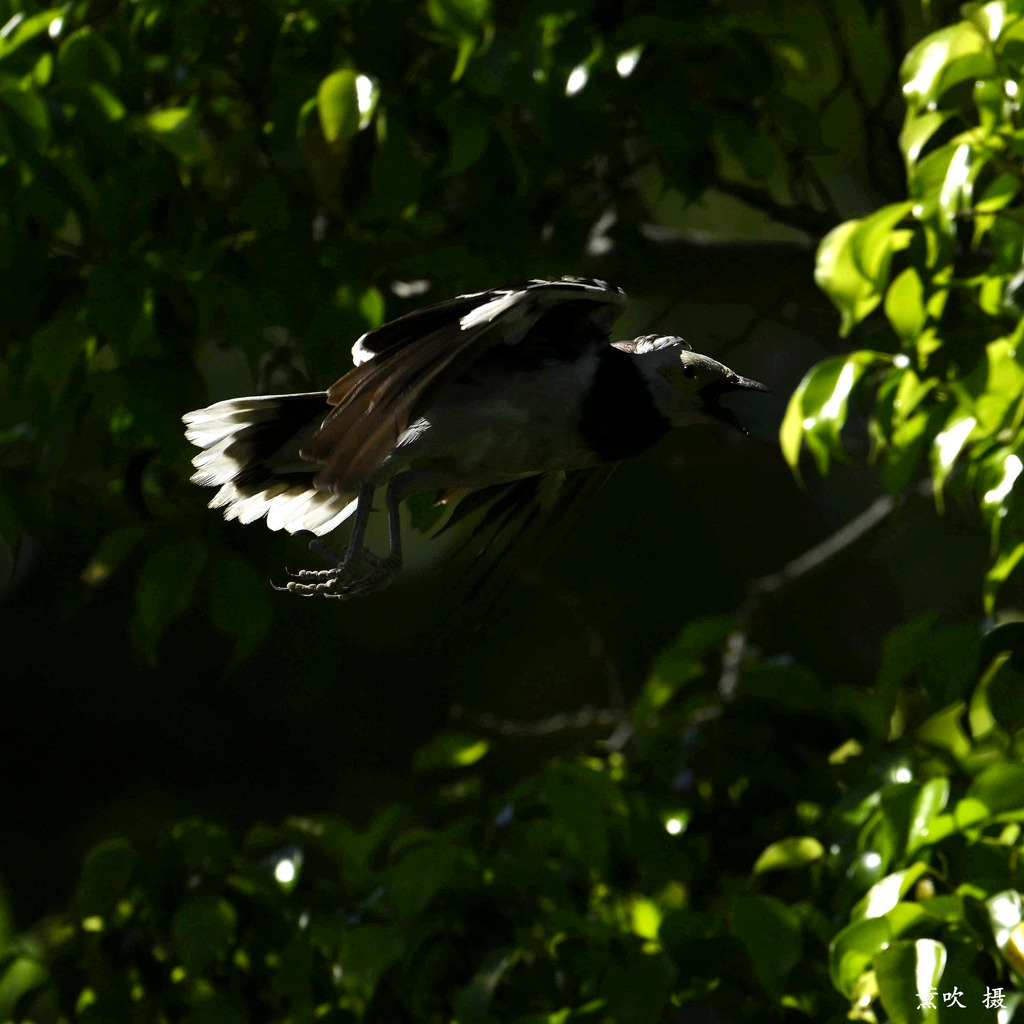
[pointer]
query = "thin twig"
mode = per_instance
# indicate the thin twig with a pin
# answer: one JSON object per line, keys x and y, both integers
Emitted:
{"x": 758, "y": 590}
{"x": 586, "y": 718}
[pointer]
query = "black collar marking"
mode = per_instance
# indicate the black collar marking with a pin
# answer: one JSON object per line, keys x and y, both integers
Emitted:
{"x": 618, "y": 417}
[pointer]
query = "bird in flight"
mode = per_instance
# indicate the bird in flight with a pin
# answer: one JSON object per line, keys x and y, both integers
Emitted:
{"x": 513, "y": 400}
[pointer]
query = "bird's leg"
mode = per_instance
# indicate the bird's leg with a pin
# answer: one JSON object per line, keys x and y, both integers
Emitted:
{"x": 355, "y": 551}
{"x": 342, "y": 581}
{"x": 382, "y": 570}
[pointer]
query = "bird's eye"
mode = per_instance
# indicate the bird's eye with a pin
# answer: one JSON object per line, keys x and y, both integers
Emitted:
{"x": 689, "y": 372}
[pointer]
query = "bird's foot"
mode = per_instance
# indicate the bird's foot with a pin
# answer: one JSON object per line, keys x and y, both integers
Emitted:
{"x": 363, "y": 575}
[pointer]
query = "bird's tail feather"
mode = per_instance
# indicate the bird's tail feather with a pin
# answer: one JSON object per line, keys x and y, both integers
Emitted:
{"x": 250, "y": 451}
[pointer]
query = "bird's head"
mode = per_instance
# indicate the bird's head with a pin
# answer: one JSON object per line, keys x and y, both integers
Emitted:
{"x": 685, "y": 385}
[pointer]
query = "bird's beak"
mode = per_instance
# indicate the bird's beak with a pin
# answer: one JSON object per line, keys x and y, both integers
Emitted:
{"x": 727, "y": 385}
{"x": 738, "y": 383}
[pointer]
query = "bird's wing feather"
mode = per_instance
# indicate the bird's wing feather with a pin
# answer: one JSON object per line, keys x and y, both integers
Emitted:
{"x": 374, "y": 402}
{"x": 524, "y": 523}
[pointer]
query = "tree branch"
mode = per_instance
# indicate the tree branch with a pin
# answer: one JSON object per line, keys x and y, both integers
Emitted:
{"x": 760, "y": 589}
{"x": 803, "y": 218}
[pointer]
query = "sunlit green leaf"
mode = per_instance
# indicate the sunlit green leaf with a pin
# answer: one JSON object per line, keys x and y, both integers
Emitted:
{"x": 450, "y": 750}
{"x": 948, "y": 445}
{"x": 930, "y": 801}
{"x": 917, "y": 130}
{"x": 1009, "y": 556}
{"x": 871, "y": 244}
{"x": 837, "y": 274}
{"x": 904, "y": 305}
{"x": 885, "y": 894}
{"x": 794, "y": 852}
{"x": 19, "y": 976}
{"x": 853, "y": 950}
{"x": 935, "y": 63}
{"x": 908, "y": 975}
{"x": 1000, "y": 788}
{"x": 817, "y": 409}
{"x": 179, "y": 131}
{"x": 1000, "y": 192}
{"x": 21, "y": 29}
{"x": 1006, "y": 915}
{"x": 338, "y": 102}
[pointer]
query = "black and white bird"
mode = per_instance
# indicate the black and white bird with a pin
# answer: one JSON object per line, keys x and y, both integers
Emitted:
{"x": 512, "y": 400}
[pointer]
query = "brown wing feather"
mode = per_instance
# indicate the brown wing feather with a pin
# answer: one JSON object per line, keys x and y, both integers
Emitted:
{"x": 375, "y": 402}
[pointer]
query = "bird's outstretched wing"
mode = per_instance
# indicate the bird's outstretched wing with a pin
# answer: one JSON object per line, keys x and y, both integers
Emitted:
{"x": 399, "y": 362}
{"x": 521, "y": 526}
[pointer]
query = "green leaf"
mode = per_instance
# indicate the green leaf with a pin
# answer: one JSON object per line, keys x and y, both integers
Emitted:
{"x": 885, "y": 894}
{"x": 1000, "y": 192}
{"x": 240, "y": 603}
{"x": 20, "y": 30}
{"x": 414, "y": 880}
{"x": 105, "y": 101}
{"x": 904, "y": 306}
{"x": 178, "y": 130}
{"x": 786, "y": 854}
{"x": 85, "y": 58}
{"x": 871, "y": 243}
{"x": 917, "y": 130}
{"x": 908, "y": 975}
{"x": 57, "y": 349}
{"x": 449, "y": 750}
{"x": 639, "y": 989}
{"x": 366, "y": 953}
{"x": 18, "y": 977}
{"x": 936, "y": 63}
{"x": 682, "y": 662}
{"x": 467, "y": 21}
{"x": 26, "y": 109}
{"x": 461, "y": 18}
{"x": 945, "y": 730}
{"x": 770, "y": 931}
{"x": 1010, "y": 555}
{"x": 853, "y": 950}
{"x": 1000, "y": 788}
{"x": 166, "y": 584}
{"x": 817, "y": 410}
{"x": 931, "y": 800}
{"x": 955, "y": 192}
{"x": 471, "y": 1003}
{"x": 1006, "y": 913}
{"x": 836, "y": 273}
{"x": 948, "y": 445}
{"x": 106, "y": 872}
{"x": 203, "y": 931}
{"x": 1003, "y": 690}
{"x": 338, "y": 103}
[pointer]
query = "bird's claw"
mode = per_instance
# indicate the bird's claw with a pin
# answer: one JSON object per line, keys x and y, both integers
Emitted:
{"x": 340, "y": 582}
